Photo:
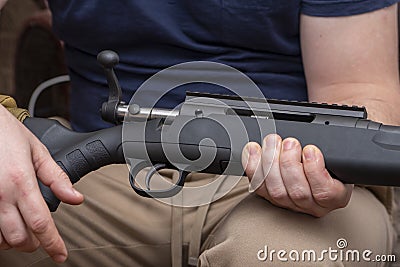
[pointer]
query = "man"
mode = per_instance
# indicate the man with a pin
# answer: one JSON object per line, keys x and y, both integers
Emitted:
{"x": 349, "y": 55}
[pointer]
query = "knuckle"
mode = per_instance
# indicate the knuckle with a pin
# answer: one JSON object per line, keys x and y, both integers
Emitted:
{"x": 311, "y": 170}
{"x": 41, "y": 156}
{"x": 324, "y": 196}
{"x": 42, "y": 150}
{"x": 40, "y": 225}
{"x": 18, "y": 241}
{"x": 298, "y": 195}
{"x": 289, "y": 164}
{"x": 278, "y": 195}
{"x": 61, "y": 175}
{"x": 17, "y": 176}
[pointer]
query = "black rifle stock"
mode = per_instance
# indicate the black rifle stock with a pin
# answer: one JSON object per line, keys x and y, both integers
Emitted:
{"x": 356, "y": 150}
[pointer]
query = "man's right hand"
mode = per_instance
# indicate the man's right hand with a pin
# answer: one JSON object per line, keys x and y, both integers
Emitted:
{"x": 25, "y": 220}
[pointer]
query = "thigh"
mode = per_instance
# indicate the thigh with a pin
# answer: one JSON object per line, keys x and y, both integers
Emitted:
{"x": 116, "y": 227}
{"x": 255, "y": 228}
{"x": 113, "y": 227}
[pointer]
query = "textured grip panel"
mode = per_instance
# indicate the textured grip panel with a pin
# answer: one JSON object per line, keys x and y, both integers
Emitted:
{"x": 98, "y": 152}
{"x": 81, "y": 165}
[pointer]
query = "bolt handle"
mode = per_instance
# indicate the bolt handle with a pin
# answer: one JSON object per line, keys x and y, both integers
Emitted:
{"x": 109, "y": 59}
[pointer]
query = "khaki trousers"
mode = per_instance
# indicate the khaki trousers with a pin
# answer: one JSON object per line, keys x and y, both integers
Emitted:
{"x": 116, "y": 227}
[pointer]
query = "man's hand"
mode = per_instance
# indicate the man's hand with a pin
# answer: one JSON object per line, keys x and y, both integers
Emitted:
{"x": 25, "y": 220}
{"x": 294, "y": 178}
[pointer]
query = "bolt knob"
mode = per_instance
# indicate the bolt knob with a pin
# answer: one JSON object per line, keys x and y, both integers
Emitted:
{"x": 108, "y": 59}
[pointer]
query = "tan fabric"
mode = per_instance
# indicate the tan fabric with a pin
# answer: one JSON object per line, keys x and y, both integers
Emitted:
{"x": 116, "y": 227}
{"x": 364, "y": 224}
{"x": 9, "y": 103}
{"x": 385, "y": 195}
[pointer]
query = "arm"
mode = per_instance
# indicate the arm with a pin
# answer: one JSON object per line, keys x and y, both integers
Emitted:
{"x": 361, "y": 68}
{"x": 25, "y": 221}
{"x": 349, "y": 60}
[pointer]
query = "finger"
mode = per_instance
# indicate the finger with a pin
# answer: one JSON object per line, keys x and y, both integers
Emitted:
{"x": 39, "y": 221}
{"x": 293, "y": 175}
{"x": 252, "y": 155}
{"x": 273, "y": 182}
{"x": 3, "y": 242}
{"x": 14, "y": 230}
{"x": 326, "y": 191}
{"x": 251, "y": 160}
{"x": 52, "y": 175}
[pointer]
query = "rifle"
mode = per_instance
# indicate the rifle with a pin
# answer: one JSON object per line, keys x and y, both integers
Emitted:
{"x": 203, "y": 136}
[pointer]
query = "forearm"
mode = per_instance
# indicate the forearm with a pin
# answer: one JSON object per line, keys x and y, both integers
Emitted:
{"x": 382, "y": 101}
{"x": 354, "y": 60}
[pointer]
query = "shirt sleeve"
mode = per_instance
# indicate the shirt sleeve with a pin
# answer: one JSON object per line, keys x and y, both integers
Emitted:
{"x": 338, "y": 8}
{"x": 10, "y": 104}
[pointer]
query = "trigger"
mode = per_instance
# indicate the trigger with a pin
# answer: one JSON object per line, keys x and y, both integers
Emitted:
{"x": 152, "y": 171}
{"x": 138, "y": 165}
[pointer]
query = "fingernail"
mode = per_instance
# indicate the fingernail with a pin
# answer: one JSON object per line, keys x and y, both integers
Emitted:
{"x": 252, "y": 150}
{"x": 270, "y": 141}
{"x": 309, "y": 153}
{"x": 288, "y": 144}
{"x": 60, "y": 258}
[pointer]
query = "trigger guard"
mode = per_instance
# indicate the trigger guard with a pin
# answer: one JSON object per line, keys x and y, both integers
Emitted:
{"x": 172, "y": 191}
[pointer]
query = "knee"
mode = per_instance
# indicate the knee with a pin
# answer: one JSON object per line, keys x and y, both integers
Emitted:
{"x": 256, "y": 233}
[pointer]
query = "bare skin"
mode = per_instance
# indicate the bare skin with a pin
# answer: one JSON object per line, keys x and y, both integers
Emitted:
{"x": 347, "y": 60}
{"x": 25, "y": 220}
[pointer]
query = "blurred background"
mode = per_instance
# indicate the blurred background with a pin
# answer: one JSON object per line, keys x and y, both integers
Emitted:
{"x": 29, "y": 55}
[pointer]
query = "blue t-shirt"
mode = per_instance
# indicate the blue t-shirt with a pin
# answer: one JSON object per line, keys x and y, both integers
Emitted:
{"x": 257, "y": 37}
